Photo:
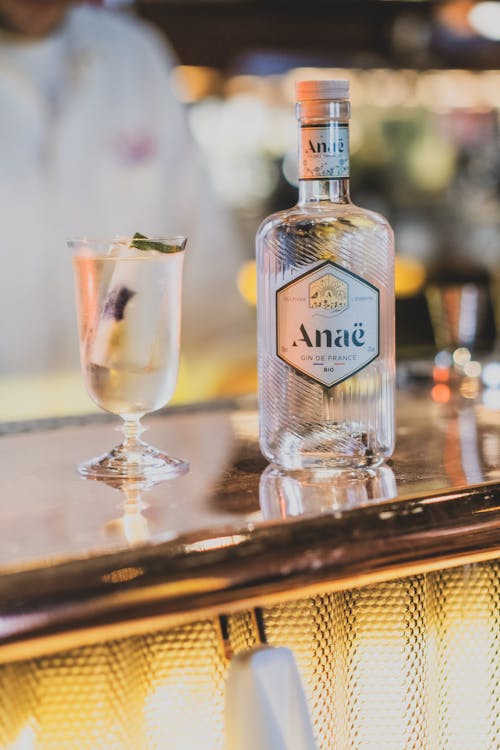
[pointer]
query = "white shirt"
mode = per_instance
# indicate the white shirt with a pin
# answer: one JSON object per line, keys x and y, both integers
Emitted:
{"x": 93, "y": 142}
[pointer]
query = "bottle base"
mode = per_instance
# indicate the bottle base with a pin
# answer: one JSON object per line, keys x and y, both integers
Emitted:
{"x": 335, "y": 447}
{"x": 326, "y": 461}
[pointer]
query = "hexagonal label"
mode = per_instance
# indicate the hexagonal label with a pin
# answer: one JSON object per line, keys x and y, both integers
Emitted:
{"x": 327, "y": 323}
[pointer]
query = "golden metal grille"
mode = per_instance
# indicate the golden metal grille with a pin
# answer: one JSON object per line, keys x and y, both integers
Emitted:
{"x": 412, "y": 664}
{"x": 242, "y": 632}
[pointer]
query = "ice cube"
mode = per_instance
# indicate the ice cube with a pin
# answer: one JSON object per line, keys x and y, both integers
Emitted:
{"x": 120, "y": 247}
{"x": 126, "y": 329}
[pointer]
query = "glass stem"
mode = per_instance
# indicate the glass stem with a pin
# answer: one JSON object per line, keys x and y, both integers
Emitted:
{"x": 132, "y": 429}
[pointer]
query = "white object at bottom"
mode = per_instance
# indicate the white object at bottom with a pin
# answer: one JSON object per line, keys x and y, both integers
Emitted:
{"x": 265, "y": 703}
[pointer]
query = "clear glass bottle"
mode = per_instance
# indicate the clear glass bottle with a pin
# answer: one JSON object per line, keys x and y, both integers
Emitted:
{"x": 325, "y": 307}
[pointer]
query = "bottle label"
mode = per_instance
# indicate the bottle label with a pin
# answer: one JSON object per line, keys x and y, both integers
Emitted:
{"x": 324, "y": 151}
{"x": 327, "y": 323}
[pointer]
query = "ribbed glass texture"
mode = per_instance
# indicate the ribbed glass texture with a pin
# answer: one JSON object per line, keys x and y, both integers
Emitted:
{"x": 302, "y": 422}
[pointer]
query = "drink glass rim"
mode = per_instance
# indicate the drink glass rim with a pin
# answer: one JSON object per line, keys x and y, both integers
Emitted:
{"x": 100, "y": 247}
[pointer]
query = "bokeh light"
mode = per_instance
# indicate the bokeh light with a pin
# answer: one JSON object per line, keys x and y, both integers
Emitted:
{"x": 485, "y": 19}
{"x": 443, "y": 359}
{"x": 440, "y": 393}
{"x": 440, "y": 374}
{"x": 472, "y": 369}
{"x": 409, "y": 276}
{"x": 491, "y": 375}
{"x": 491, "y": 398}
{"x": 461, "y": 356}
{"x": 247, "y": 282}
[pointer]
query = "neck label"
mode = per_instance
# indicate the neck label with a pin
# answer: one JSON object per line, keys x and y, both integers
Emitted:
{"x": 327, "y": 323}
{"x": 324, "y": 151}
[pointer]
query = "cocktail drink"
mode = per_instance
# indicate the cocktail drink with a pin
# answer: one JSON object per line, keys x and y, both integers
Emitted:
{"x": 129, "y": 312}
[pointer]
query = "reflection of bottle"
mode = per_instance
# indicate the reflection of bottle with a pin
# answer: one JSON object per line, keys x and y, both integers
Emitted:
{"x": 326, "y": 307}
{"x": 311, "y": 491}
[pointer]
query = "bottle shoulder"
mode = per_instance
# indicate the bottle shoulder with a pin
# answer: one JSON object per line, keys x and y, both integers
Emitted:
{"x": 344, "y": 217}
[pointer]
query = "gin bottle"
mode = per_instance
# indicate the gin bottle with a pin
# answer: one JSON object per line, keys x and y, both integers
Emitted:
{"x": 325, "y": 307}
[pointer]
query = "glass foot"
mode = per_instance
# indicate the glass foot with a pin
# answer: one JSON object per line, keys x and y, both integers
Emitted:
{"x": 142, "y": 463}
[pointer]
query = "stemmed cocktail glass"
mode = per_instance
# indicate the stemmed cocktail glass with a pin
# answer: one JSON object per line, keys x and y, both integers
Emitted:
{"x": 129, "y": 312}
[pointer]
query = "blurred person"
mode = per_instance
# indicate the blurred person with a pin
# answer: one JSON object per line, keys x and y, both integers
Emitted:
{"x": 93, "y": 142}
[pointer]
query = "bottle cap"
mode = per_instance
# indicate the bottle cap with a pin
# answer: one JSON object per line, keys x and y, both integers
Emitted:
{"x": 336, "y": 89}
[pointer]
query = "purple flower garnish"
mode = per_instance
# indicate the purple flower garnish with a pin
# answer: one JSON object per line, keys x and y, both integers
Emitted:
{"x": 116, "y": 303}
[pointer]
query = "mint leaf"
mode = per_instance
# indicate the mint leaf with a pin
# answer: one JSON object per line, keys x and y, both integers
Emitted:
{"x": 141, "y": 242}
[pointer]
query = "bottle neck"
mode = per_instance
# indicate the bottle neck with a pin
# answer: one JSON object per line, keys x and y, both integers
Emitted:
{"x": 330, "y": 190}
{"x": 323, "y": 151}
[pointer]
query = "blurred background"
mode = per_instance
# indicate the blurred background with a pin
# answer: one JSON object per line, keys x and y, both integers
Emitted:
{"x": 425, "y": 148}
{"x": 425, "y": 137}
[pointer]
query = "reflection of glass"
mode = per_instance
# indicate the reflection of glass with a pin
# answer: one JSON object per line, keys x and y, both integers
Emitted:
{"x": 129, "y": 308}
{"x": 309, "y": 492}
{"x": 131, "y": 525}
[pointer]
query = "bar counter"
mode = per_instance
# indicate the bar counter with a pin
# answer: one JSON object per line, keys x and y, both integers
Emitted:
{"x": 323, "y": 558}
